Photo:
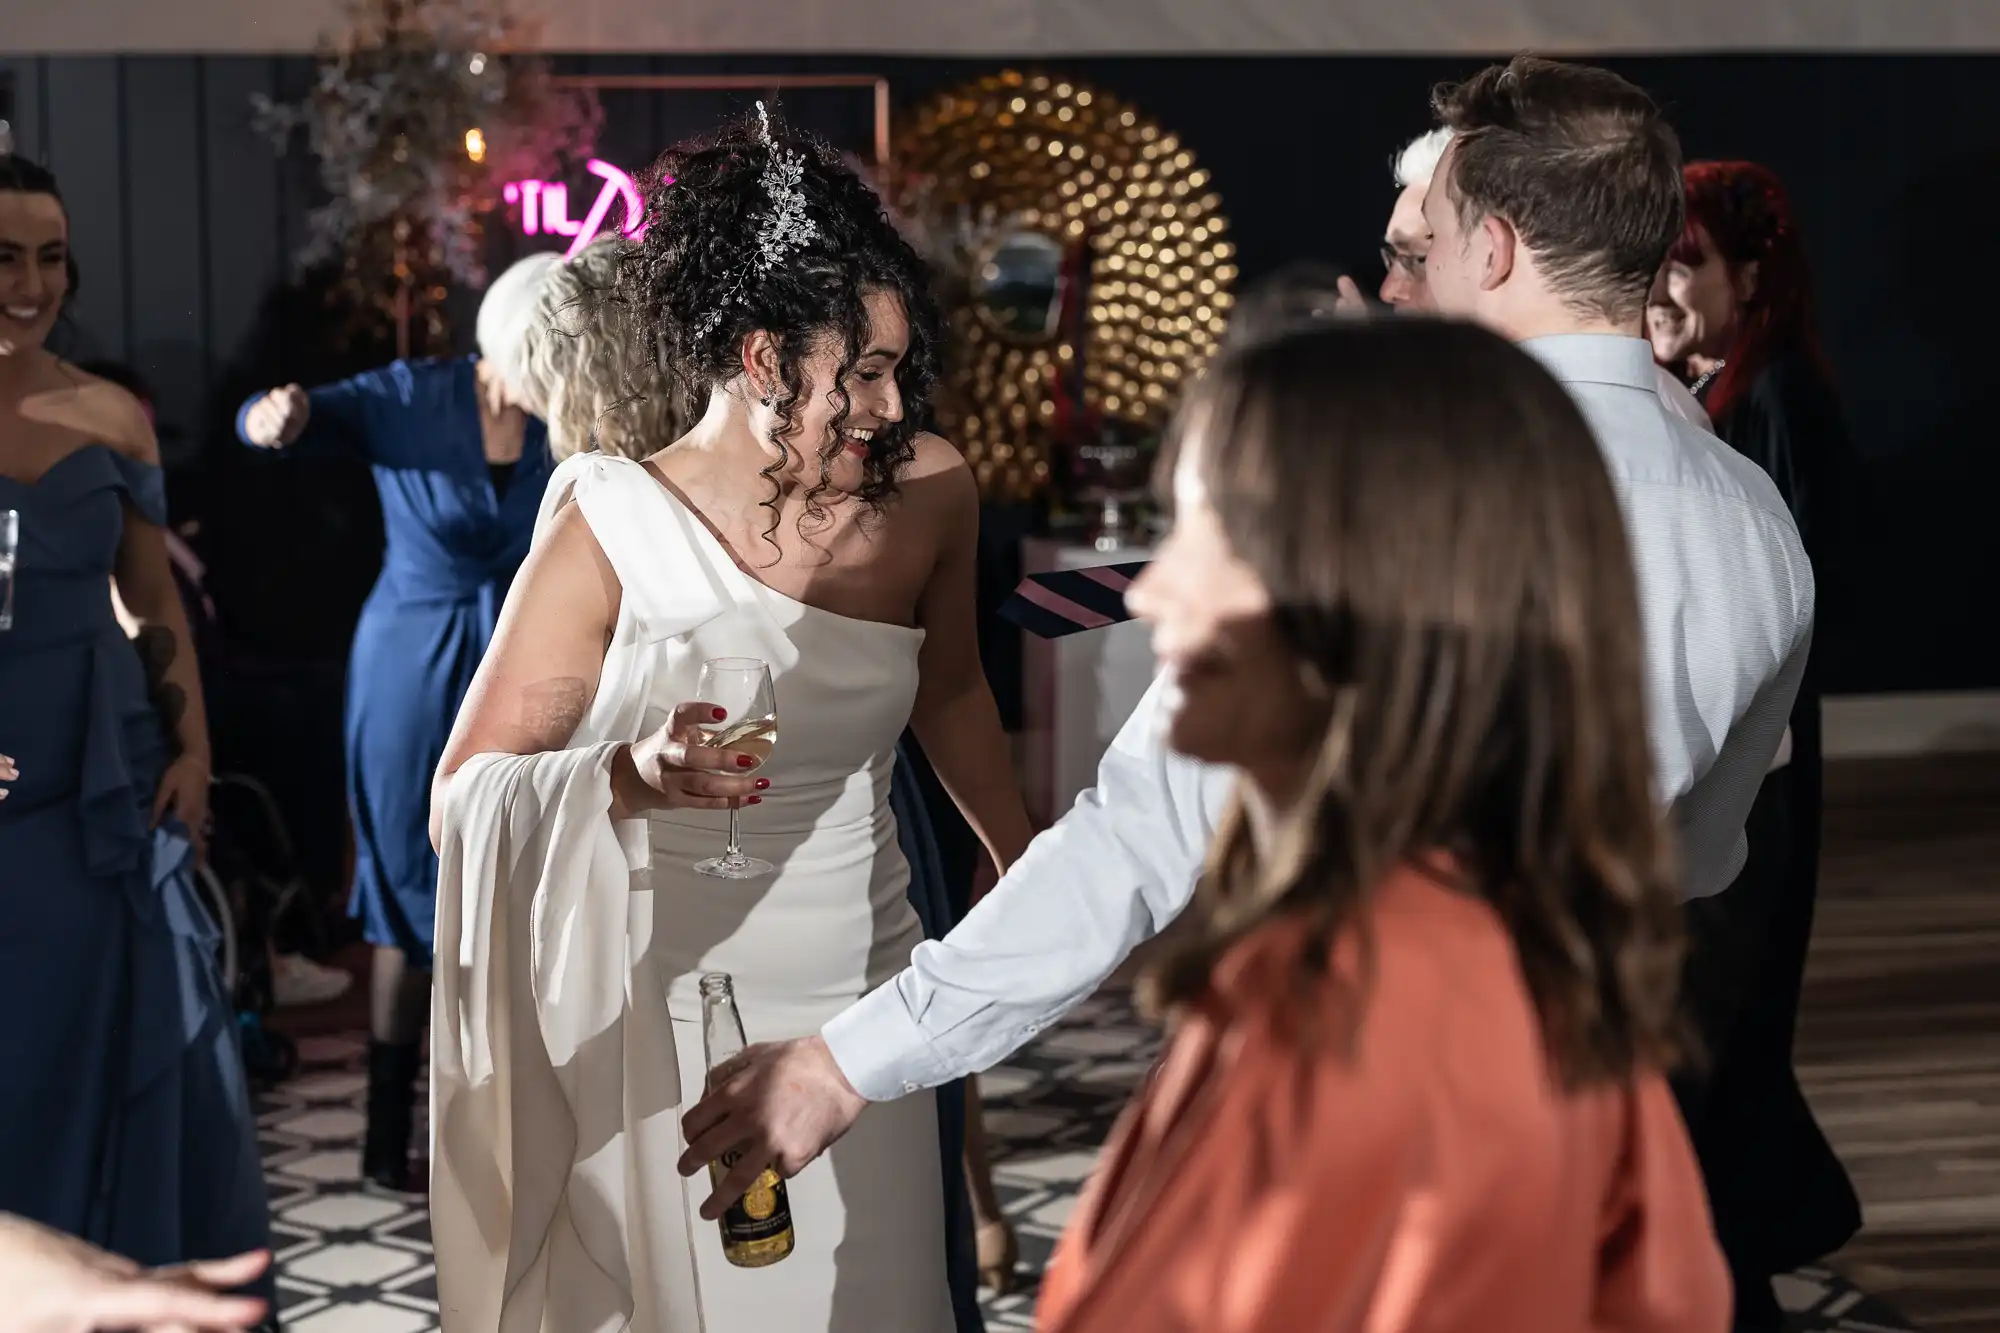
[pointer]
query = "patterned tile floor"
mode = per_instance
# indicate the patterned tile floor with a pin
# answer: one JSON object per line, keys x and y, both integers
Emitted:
{"x": 356, "y": 1261}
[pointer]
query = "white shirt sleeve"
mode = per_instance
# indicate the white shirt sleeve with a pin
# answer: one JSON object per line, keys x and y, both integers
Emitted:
{"x": 1108, "y": 876}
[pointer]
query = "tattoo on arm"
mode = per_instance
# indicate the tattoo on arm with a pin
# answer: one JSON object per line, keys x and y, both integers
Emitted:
{"x": 551, "y": 710}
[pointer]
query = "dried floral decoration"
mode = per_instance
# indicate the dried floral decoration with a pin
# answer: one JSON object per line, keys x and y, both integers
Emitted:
{"x": 417, "y": 116}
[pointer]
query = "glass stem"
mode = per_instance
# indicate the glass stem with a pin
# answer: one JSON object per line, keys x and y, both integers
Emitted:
{"x": 735, "y": 853}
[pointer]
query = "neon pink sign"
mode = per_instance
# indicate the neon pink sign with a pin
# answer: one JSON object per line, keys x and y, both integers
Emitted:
{"x": 545, "y": 207}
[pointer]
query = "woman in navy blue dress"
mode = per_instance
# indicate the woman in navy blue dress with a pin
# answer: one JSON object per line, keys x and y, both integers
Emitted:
{"x": 124, "y": 1114}
{"x": 460, "y": 468}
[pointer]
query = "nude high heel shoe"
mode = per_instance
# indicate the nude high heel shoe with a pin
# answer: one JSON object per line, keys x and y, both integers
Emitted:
{"x": 998, "y": 1247}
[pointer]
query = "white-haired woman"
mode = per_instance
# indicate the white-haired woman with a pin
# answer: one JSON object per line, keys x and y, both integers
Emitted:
{"x": 460, "y": 467}
{"x": 586, "y": 368}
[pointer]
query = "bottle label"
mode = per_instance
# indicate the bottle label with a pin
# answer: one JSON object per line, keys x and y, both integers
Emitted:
{"x": 764, "y": 1211}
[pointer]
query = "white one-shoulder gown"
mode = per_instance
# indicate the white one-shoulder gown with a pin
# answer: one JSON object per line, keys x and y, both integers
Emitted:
{"x": 567, "y": 1037}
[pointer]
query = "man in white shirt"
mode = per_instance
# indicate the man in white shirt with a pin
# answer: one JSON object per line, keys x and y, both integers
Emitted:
{"x": 1406, "y": 243}
{"x": 1561, "y": 262}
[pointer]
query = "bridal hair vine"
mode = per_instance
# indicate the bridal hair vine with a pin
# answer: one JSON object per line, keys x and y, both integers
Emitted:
{"x": 785, "y": 229}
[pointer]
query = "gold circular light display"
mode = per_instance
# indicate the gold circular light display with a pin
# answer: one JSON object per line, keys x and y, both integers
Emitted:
{"x": 1026, "y": 157}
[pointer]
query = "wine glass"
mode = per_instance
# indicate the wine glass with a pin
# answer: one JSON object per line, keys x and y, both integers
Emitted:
{"x": 10, "y": 539}
{"x": 741, "y": 686}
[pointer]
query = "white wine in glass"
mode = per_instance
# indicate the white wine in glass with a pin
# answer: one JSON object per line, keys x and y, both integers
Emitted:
{"x": 741, "y": 686}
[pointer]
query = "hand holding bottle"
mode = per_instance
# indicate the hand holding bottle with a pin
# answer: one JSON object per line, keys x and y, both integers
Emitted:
{"x": 782, "y": 1103}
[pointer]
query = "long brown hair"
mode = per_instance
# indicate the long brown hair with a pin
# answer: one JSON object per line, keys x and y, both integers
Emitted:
{"x": 1447, "y": 558}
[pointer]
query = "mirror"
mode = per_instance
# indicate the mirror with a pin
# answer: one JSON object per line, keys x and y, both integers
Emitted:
{"x": 1019, "y": 286}
{"x": 1085, "y": 262}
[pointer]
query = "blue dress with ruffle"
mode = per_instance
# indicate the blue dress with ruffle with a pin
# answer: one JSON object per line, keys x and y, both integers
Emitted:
{"x": 125, "y": 1115}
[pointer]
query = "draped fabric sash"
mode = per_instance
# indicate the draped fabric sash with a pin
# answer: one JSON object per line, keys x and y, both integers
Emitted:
{"x": 536, "y": 1198}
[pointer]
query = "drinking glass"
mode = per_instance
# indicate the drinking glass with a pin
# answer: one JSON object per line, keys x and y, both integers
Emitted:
{"x": 10, "y": 541}
{"x": 742, "y": 686}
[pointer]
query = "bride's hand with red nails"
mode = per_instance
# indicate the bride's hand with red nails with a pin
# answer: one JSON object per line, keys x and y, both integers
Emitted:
{"x": 675, "y": 769}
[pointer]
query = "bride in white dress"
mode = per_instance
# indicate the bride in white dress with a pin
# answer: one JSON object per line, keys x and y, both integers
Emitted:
{"x": 805, "y": 521}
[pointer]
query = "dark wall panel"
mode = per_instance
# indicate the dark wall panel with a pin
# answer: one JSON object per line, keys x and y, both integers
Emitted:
{"x": 83, "y": 141}
{"x": 186, "y": 225}
{"x": 244, "y": 262}
{"x": 166, "y": 260}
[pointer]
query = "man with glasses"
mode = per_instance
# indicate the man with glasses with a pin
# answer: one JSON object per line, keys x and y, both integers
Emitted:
{"x": 1408, "y": 239}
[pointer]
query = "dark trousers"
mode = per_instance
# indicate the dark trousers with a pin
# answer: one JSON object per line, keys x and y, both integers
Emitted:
{"x": 1779, "y": 1195}
{"x": 941, "y": 893}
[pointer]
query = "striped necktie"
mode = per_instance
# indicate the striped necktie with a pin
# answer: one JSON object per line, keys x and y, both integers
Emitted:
{"x": 1067, "y": 600}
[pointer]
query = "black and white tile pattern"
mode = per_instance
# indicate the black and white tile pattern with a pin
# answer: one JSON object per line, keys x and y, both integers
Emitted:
{"x": 355, "y": 1260}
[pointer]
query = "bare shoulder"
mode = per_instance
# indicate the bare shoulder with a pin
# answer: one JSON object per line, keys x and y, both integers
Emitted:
{"x": 100, "y": 411}
{"x": 939, "y": 480}
{"x": 570, "y": 556}
{"x": 936, "y": 456}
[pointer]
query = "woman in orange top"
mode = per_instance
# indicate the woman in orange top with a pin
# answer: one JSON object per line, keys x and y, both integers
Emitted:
{"x": 1415, "y": 1079}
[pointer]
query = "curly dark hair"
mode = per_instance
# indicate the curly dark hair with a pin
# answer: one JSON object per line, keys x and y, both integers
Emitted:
{"x": 704, "y": 202}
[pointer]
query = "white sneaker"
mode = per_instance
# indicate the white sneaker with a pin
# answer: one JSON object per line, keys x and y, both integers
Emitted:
{"x": 297, "y": 980}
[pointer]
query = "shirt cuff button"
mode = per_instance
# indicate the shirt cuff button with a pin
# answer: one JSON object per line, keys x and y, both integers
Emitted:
{"x": 911, "y": 1087}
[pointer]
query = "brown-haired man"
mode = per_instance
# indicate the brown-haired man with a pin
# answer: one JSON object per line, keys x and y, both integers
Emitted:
{"x": 1549, "y": 216}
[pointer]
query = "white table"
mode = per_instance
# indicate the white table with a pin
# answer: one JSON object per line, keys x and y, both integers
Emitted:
{"x": 1076, "y": 691}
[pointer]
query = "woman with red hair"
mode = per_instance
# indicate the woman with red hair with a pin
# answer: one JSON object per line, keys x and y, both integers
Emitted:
{"x": 1732, "y": 312}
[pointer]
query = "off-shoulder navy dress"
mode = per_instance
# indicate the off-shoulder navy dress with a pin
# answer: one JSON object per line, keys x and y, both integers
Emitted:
{"x": 124, "y": 1113}
{"x": 457, "y": 530}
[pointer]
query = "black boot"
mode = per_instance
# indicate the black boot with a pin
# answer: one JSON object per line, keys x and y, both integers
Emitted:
{"x": 392, "y": 1093}
{"x": 1757, "y": 1308}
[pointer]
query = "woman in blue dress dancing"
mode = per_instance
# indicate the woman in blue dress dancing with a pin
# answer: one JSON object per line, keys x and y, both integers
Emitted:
{"x": 124, "y": 1115}
{"x": 460, "y": 467}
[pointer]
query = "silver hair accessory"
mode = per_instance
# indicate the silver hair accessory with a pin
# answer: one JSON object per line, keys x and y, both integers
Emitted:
{"x": 785, "y": 229}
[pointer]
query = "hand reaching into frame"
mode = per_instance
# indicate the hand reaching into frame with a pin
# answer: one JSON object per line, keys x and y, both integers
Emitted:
{"x": 59, "y": 1284}
{"x": 1350, "y": 301}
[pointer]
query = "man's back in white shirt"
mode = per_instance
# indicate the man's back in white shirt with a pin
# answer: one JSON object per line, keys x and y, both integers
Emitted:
{"x": 1727, "y": 600}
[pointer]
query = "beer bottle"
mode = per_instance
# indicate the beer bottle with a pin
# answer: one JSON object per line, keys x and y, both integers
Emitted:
{"x": 757, "y": 1229}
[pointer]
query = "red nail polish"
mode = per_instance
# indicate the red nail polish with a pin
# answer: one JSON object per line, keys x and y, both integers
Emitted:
{"x": 745, "y": 761}
{"x": 754, "y": 800}
{"x": 721, "y": 713}
{"x": 763, "y": 784}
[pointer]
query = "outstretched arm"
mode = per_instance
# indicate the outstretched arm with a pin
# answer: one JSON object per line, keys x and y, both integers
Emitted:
{"x": 338, "y": 418}
{"x": 1109, "y": 875}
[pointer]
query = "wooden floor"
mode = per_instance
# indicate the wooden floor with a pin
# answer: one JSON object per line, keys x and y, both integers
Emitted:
{"x": 1899, "y": 1042}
